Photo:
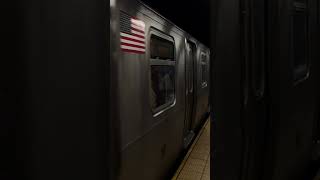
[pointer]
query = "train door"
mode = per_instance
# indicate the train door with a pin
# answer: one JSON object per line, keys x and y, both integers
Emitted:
{"x": 189, "y": 88}
{"x": 254, "y": 84}
{"x": 293, "y": 48}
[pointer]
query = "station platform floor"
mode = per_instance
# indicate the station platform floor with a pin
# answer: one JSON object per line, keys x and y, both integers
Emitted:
{"x": 196, "y": 164}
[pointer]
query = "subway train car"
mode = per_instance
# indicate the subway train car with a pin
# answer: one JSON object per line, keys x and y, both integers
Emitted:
{"x": 159, "y": 89}
{"x": 266, "y": 100}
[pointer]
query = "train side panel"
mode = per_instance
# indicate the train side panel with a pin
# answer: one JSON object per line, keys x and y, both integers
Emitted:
{"x": 152, "y": 131}
{"x": 150, "y": 142}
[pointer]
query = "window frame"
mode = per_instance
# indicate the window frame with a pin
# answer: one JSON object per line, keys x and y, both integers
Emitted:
{"x": 204, "y": 81}
{"x": 300, "y": 8}
{"x": 194, "y": 50}
{"x": 161, "y": 62}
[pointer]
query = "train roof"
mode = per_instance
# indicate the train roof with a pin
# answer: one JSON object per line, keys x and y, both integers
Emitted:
{"x": 158, "y": 15}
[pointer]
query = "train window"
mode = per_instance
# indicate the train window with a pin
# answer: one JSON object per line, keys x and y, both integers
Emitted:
{"x": 162, "y": 78}
{"x": 190, "y": 65}
{"x": 258, "y": 49}
{"x": 203, "y": 70}
{"x": 161, "y": 48}
{"x": 162, "y": 70}
{"x": 300, "y": 41}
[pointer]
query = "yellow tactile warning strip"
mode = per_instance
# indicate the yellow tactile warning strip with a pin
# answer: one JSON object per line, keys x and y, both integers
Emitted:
{"x": 196, "y": 164}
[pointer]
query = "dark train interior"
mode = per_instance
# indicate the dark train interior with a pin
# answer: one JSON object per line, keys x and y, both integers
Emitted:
{"x": 160, "y": 89}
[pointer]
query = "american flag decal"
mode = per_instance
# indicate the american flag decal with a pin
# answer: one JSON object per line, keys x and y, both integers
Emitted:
{"x": 132, "y": 34}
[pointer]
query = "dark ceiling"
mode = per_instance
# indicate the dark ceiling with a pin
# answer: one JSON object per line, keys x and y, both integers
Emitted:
{"x": 192, "y": 17}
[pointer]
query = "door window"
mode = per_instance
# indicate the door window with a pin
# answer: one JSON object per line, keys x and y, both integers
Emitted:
{"x": 300, "y": 41}
{"x": 203, "y": 66}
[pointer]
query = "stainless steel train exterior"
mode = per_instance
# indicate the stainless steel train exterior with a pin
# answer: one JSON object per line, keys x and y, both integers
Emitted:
{"x": 159, "y": 88}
